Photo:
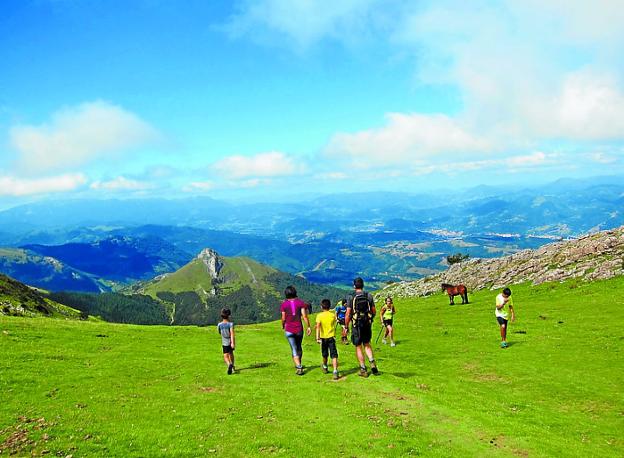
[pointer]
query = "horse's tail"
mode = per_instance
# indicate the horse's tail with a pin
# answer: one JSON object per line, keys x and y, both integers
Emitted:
{"x": 465, "y": 293}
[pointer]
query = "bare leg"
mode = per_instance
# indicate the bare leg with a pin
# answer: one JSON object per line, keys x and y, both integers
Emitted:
{"x": 335, "y": 364}
{"x": 360, "y": 355}
{"x": 503, "y": 332}
{"x": 369, "y": 353}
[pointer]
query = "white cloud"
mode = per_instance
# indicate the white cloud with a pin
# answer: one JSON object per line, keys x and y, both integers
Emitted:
{"x": 78, "y": 135}
{"x": 14, "y": 186}
{"x": 303, "y": 22}
{"x": 590, "y": 107}
{"x": 406, "y": 138}
{"x": 272, "y": 164}
{"x": 121, "y": 184}
{"x": 199, "y": 186}
{"x": 602, "y": 158}
{"x": 338, "y": 176}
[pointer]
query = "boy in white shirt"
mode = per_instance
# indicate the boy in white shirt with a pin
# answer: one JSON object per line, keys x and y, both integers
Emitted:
{"x": 504, "y": 307}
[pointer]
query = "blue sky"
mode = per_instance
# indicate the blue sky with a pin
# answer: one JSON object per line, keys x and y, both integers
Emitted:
{"x": 272, "y": 98}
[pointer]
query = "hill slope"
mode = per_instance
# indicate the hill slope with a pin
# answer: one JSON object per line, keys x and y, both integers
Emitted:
{"x": 19, "y": 299}
{"x": 46, "y": 272}
{"x": 447, "y": 389}
{"x": 196, "y": 293}
{"x": 591, "y": 257}
{"x": 119, "y": 258}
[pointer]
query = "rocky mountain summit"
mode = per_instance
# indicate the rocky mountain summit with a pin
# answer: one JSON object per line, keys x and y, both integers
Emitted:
{"x": 590, "y": 257}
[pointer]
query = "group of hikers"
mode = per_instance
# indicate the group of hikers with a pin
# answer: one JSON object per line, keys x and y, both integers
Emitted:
{"x": 355, "y": 313}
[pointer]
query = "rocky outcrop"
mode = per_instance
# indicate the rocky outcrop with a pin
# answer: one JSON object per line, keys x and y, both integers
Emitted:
{"x": 214, "y": 264}
{"x": 212, "y": 261}
{"x": 591, "y": 257}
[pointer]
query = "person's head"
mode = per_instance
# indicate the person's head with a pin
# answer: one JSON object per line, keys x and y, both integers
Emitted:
{"x": 225, "y": 314}
{"x": 290, "y": 292}
{"x": 343, "y": 302}
{"x": 325, "y": 304}
{"x": 358, "y": 283}
{"x": 388, "y": 300}
{"x": 506, "y": 292}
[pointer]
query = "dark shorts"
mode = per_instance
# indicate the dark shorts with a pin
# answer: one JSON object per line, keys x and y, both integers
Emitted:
{"x": 295, "y": 343}
{"x": 387, "y": 322}
{"x": 361, "y": 335}
{"x": 341, "y": 321}
{"x": 328, "y": 347}
{"x": 227, "y": 349}
{"x": 501, "y": 320}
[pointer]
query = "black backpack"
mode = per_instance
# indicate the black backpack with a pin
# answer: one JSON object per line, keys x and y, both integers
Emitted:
{"x": 361, "y": 309}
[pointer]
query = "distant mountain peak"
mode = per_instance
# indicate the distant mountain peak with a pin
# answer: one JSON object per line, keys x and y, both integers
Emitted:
{"x": 212, "y": 260}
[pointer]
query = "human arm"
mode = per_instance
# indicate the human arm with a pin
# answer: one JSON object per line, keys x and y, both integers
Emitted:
{"x": 513, "y": 312}
{"x": 318, "y": 330}
{"x": 306, "y": 318}
{"x": 232, "y": 338}
{"x": 500, "y": 302}
{"x": 283, "y": 319}
{"x": 383, "y": 310}
{"x": 347, "y": 321}
{"x": 372, "y": 306}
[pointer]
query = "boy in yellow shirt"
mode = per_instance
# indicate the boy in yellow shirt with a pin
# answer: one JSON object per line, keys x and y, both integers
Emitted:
{"x": 325, "y": 335}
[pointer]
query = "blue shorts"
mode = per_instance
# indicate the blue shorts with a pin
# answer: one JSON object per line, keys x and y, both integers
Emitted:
{"x": 501, "y": 320}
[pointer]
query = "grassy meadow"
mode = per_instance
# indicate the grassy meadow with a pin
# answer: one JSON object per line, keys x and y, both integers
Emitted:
{"x": 72, "y": 388}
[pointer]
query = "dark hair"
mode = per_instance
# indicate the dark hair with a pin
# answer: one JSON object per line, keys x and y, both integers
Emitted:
{"x": 343, "y": 302}
{"x": 325, "y": 304}
{"x": 290, "y": 292}
{"x": 358, "y": 283}
{"x": 507, "y": 292}
{"x": 225, "y": 313}
{"x": 389, "y": 297}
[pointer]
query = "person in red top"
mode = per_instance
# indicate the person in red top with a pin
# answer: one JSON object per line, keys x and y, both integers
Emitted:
{"x": 293, "y": 309}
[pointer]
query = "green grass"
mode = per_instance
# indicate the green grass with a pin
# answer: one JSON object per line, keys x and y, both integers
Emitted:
{"x": 447, "y": 389}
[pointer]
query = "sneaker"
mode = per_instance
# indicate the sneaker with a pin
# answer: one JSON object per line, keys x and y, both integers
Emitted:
{"x": 324, "y": 369}
{"x": 383, "y": 341}
{"x": 299, "y": 371}
{"x": 393, "y": 344}
{"x": 374, "y": 370}
{"x": 363, "y": 373}
{"x": 503, "y": 344}
{"x": 336, "y": 376}
{"x": 230, "y": 369}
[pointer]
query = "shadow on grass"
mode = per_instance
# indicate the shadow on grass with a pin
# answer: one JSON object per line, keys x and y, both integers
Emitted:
{"x": 255, "y": 366}
{"x": 403, "y": 374}
{"x": 353, "y": 370}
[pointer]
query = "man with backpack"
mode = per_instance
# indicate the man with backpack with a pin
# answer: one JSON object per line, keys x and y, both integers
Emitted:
{"x": 360, "y": 314}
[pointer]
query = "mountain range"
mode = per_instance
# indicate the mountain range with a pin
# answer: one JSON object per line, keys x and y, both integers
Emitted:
{"x": 384, "y": 237}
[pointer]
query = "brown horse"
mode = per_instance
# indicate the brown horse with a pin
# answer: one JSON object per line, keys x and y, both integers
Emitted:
{"x": 452, "y": 291}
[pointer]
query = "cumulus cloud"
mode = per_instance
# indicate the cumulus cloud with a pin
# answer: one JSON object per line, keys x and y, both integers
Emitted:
{"x": 77, "y": 135}
{"x": 15, "y": 186}
{"x": 121, "y": 183}
{"x": 263, "y": 165}
{"x": 303, "y": 22}
{"x": 406, "y": 137}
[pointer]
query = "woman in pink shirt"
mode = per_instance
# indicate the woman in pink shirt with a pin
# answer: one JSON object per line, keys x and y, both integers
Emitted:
{"x": 293, "y": 309}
